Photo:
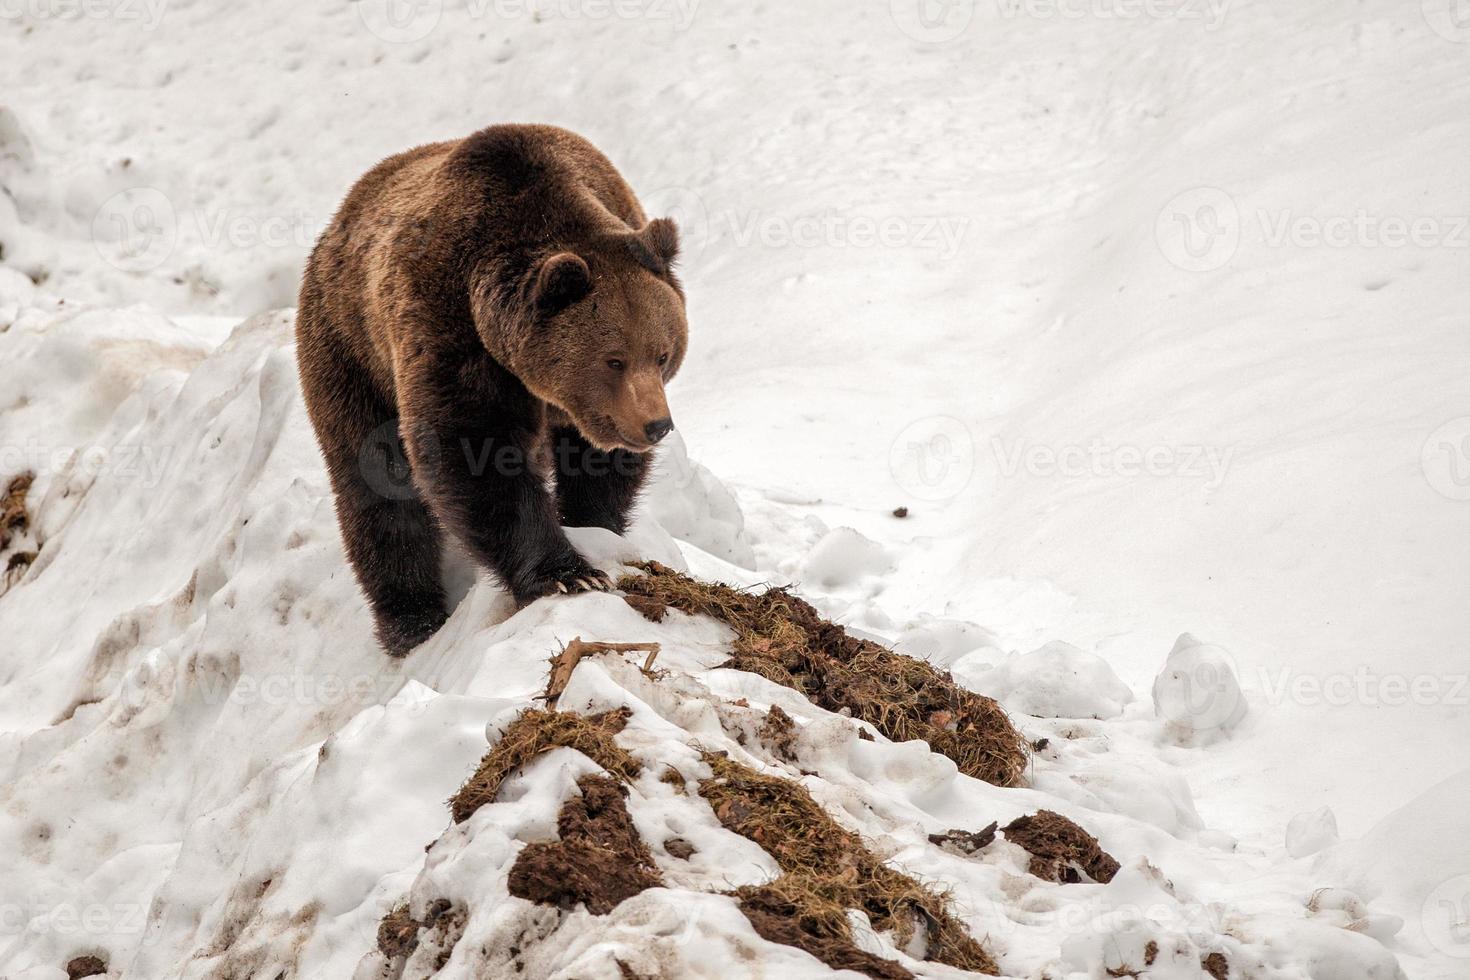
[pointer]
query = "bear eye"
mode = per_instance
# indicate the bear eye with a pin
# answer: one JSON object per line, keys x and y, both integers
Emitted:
{"x": 615, "y": 364}
{"x": 663, "y": 359}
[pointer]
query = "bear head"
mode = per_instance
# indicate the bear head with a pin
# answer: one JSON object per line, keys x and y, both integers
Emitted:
{"x": 602, "y": 330}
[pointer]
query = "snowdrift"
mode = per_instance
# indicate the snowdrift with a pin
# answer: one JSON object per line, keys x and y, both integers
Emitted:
{"x": 210, "y": 771}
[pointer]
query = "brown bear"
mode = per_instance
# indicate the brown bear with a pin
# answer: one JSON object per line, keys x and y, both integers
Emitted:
{"x": 484, "y": 335}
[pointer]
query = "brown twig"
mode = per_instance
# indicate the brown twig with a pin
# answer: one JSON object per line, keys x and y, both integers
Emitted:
{"x": 566, "y": 661}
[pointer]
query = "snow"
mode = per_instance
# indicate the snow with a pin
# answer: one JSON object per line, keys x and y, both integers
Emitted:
{"x": 1151, "y": 315}
{"x": 1198, "y": 694}
{"x": 1054, "y": 681}
{"x": 1308, "y": 833}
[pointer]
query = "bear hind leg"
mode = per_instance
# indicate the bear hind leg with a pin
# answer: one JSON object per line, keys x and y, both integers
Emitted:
{"x": 392, "y": 541}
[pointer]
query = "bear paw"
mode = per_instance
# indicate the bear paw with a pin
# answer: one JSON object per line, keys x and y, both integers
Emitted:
{"x": 399, "y": 633}
{"x": 567, "y": 578}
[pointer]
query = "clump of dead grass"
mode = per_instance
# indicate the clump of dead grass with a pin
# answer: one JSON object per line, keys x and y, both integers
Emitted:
{"x": 781, "y": 637}
{"x": 828, "y": 870}
{"x": 535, "y": 731}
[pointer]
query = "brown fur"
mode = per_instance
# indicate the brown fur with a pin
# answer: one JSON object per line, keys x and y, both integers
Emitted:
{"x": 482, "y": 317}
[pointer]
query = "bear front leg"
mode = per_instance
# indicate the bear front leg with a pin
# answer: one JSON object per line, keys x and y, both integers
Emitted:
{"x": 595, "y": 488}
{"x": 473, "y": 459}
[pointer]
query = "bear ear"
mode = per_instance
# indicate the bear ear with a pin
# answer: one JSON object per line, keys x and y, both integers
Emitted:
{"x": 661, "y": 236}
{"x": 562, "y": 280}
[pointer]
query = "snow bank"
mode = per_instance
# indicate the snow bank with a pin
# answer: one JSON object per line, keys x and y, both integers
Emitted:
{"x": 210, "y": 770}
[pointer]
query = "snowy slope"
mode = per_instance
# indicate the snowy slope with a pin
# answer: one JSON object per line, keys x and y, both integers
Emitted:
{"x": 1113, "y": 300}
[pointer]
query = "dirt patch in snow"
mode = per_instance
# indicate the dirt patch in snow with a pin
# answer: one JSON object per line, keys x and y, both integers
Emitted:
{"x": 828, "y": 870}
{"x": 599, "y": 860}
{"x": 1060, "y": 850}
{"x": 85, "y": 966}
{"x": 778, "y": 733}
{"x": 1216, "y": 966}
{"x": 535, "y": 731}
{"x": 400, "y": 934}
{"x": 782, "y": 638}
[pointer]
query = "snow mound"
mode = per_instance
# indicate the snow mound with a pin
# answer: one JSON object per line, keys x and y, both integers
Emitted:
{"x": 1310, "y": 832}
{"x": 942, "y": 641}
{"x": 686, "y": 499}
{"x": 843, "y": 557}
{"x": 207, "y": 762}
{"x": 1414, "y": 864}
{"x": 1197, "y": 694}
{"x": 1057, "y": 680}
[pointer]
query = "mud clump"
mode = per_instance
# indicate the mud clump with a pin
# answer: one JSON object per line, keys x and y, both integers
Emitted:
{"x": 85, "y": 966}
{"x": 1060, "y": 850}
{"x": 1216, "y": 966}
{"x": 535, "y": 731}
{"x": 827, "y": 870}
{"x": 781, "y": 637}
{"x": 600, "y": 861}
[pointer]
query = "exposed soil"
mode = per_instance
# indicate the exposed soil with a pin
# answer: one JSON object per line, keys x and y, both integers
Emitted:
{"x": 535, "y": 731}
{"x": 1216, "y": 966}
{"x": 781, "y": 637}
{"x": 1060, "y": 850}
{"x": 599, "y": 861}
{"x": 828, "y": 870}
{"x": 85, "y": 966}
{"x": 398, "y": 933}
{"x": 1150, "y": 953}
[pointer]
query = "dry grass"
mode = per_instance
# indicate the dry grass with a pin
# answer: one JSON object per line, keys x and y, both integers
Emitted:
{"x": 827, "y": 870}
{"x": 14, "y": 518}
{"x": 781, "y": 637}
{"x": 535, "y": 731}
